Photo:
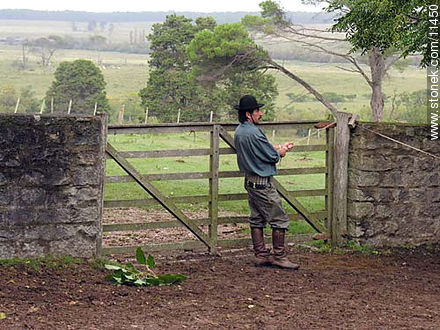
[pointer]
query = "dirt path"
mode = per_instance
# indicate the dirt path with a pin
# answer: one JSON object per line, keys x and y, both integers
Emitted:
{"x": 329, "y": 291}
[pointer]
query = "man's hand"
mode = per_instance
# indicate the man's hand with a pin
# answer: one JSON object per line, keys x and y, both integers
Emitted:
{"x": 288, "y": 146}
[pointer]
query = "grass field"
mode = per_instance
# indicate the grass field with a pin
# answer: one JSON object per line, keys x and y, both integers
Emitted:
{"x": 130, "y": 190}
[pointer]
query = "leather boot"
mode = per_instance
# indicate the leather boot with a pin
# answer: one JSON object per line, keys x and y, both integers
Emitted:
{"x": 279, "y": 250}
{"x": 262, "y": 255}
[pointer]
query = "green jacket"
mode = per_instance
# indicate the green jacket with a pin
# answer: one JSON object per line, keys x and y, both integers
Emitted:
{"x": 255, "y": 155}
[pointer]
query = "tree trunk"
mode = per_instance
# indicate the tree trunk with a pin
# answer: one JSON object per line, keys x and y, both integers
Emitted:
{"x": 378, "y": 70}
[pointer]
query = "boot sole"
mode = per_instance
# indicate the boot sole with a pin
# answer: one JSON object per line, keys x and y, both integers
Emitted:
{"x": 281, "y": 267}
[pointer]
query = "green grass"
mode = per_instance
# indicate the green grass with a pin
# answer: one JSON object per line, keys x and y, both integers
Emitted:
{"x": 44, "y": 262}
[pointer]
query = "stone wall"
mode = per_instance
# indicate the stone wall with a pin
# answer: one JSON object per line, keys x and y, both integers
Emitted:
{"x": 51, "y": 185}
{"x": 393, "y": 191}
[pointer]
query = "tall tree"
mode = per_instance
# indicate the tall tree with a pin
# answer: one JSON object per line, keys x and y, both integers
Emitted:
{"x": 275, "y": 23}
{"x": 384, "y": 25}
{"x": 222, "y": 57}
{"x": 82, "y": 82}
{"x": 46, "y": 48}
{"x": 172, "y": 84}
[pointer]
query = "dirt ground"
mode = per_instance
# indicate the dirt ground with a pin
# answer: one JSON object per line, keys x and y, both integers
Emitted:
{"x": 329, "y": 291}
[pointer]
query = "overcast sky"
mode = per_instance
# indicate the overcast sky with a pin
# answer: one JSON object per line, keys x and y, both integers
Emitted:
{"x": 150, "y": 5}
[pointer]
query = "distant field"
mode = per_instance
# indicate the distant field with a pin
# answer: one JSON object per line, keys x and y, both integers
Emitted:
{"x": 35, "y": 29}
{"x": 127, "y": 73}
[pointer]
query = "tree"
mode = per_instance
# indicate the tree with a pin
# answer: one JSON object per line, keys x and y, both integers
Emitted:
{"x": 385, "y": 25}
{"x": 226, "y": 56}
{"x": 173, "y": 85}
{"x": 82, "y": 82}
{"x": 46, "y": 47}
{"x": 274, "y": 23}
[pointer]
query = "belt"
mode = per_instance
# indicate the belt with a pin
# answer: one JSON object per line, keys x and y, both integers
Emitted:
{"x": 255, "y": 185}
{"x": 256, "y": 181}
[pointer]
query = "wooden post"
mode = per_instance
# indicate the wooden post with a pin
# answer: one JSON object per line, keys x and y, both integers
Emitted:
{"x": 121, "y": 114}
{"x": 210, "y": 116}
{"x": 339, "y": 219}
{"x": 308, "y": 136}
{"x": 51, "y": 105}
{"x": 146, "y": 116}
{"x": 330, "y": 141}
{"x": 178, "y": 116}
{"x": 214, "y": 160}
{"x": 42, "y": 106}
{"x": 273, "y": 136}
{"x": 70, "y": 107}
{"x": 96, "y": 108}
{"x": 16, "y": 105}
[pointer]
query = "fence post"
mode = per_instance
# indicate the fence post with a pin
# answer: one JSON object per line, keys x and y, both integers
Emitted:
{"x": 210, "y": 116}
{"x": 178, "y": 116}
{"x": 146, "y": 116}
{"x": 51, "y": 105}
{"x": 16, "y": 105}
{"x": 121, "y": 114}
{"x": 214, "y": 160}
{"x": 340, "y": 179}
{"x": 42, "y": 106}
{"x": 70, "y": 107}
{"x": 96, "y": 108}
{"x": 330, "y": 142}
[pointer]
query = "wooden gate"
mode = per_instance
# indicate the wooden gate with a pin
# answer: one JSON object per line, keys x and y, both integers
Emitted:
{"x": 218, "y": 133}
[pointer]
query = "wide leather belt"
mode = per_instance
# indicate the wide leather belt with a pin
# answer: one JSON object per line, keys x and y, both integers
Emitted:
{"x": 255, "y": 185}
{"x": 257, "y": 182}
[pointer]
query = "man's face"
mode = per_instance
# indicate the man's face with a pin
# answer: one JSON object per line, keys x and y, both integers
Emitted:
{"x": 255, "y": 117}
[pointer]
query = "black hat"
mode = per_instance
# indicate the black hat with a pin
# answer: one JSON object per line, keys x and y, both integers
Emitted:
{"x": 248, "y": 102}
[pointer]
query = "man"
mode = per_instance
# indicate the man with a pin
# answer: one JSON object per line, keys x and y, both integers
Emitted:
{"x": 256, "y": 157}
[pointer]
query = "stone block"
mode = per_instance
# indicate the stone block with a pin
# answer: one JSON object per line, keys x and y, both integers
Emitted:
{"x": 384, "y": 211}
{"x": 360, "y": 195}
{"x": 86, "y": 175}
{"x": 432, "y": 146}
{"x": 86, "y": 158}
{"x": 433, "y": 195}
{"x": 6, "y": 196}
{"x": 358, "y": 178}
{"x": 80, "y": 247}
{"x": 371, "y": 160}
{"x": 426, "y": 164}
{"x": 359, "y": 210}
{"x": 19, "y": 216}
{"x": 7, "y": 250}
{"x": 403, "y": 196}
{"x": 3, "y": 179}
{"x": 391, "y": 179}
{"x": 383, "y": 195}
{"x": 38, "y": 232}
{"x": 31, "y": 249}
{"x": 59, "y": 177}
{"x": 27, "y": 196}
{"x": 431, "y": 211}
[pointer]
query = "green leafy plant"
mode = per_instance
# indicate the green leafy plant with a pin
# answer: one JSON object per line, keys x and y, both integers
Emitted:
{"x": 128, "y": 275}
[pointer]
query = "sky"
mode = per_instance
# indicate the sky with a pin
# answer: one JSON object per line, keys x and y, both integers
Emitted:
{"x": 148, "y": 5}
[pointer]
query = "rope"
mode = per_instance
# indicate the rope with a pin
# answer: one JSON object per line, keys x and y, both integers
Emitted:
{"x": 400, "y": 142}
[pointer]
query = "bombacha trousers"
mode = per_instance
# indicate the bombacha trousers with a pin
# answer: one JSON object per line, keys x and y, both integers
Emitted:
{"x": 266, "y": 207}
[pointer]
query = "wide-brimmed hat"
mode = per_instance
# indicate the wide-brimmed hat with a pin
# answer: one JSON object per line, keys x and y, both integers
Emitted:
{"x": 248, "y": 102}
